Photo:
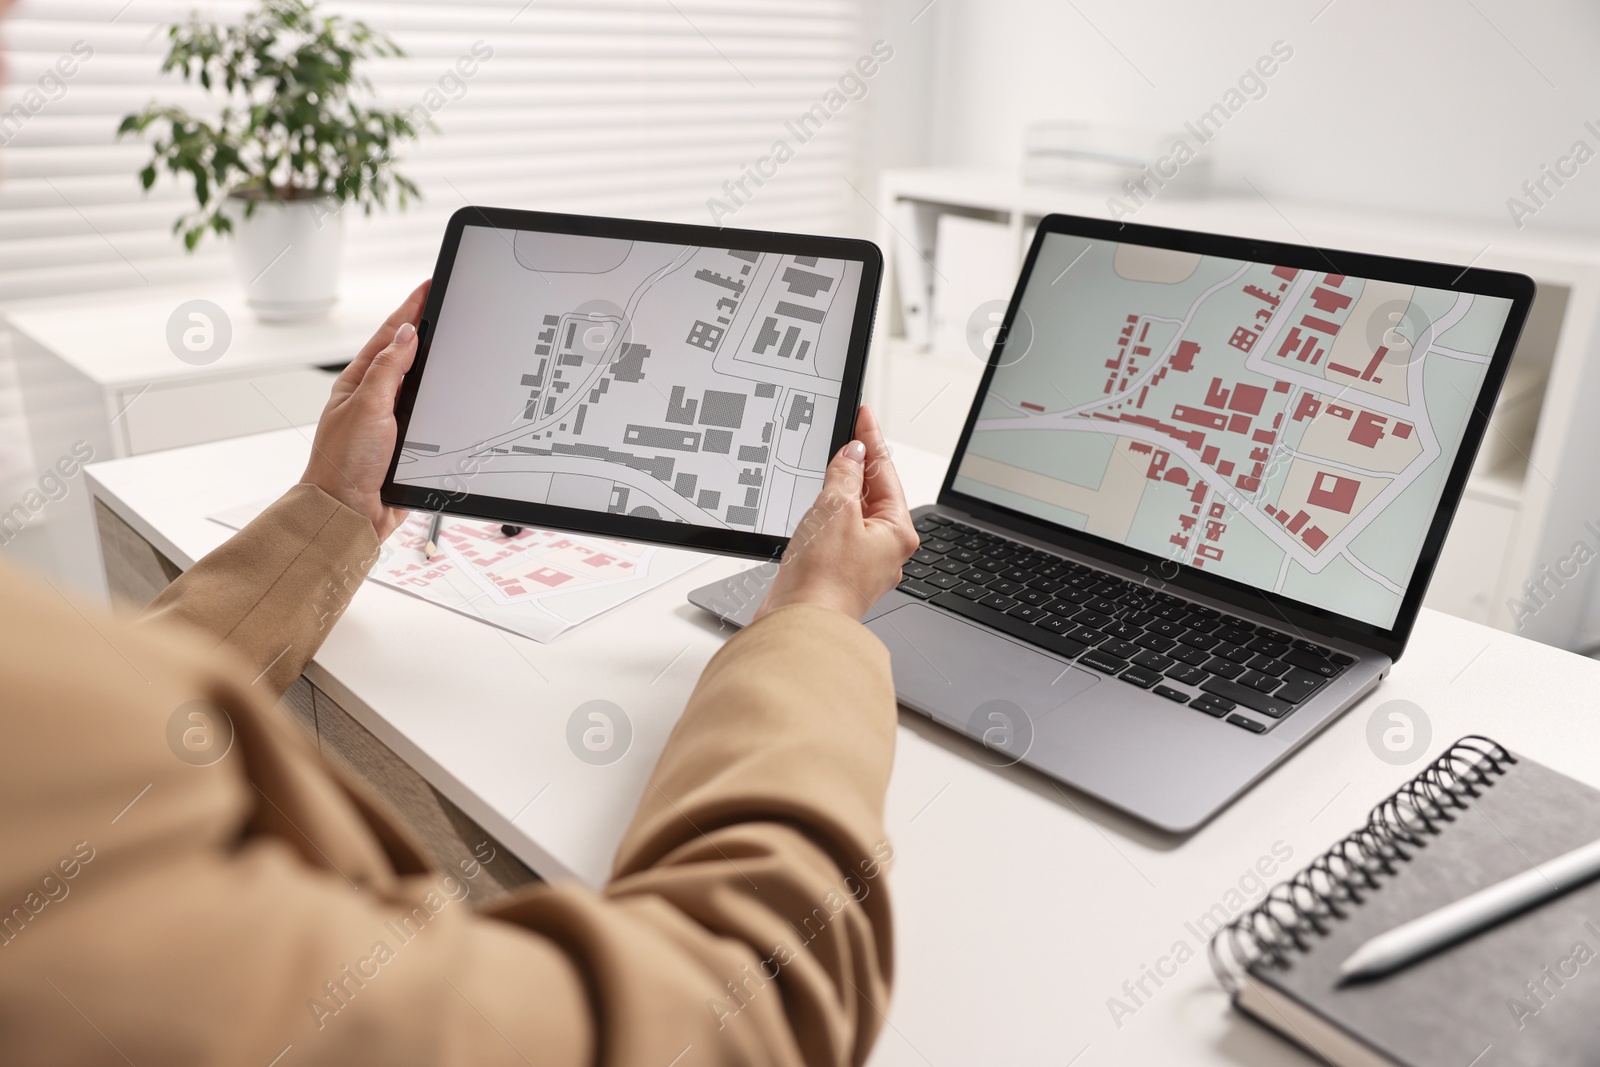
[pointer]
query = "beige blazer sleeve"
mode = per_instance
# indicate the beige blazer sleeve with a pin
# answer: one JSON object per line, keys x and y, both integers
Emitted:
{"x": 255, "y": 910}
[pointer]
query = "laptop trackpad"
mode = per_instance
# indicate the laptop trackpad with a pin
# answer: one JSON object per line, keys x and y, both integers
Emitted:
{"x": 973, "y": 679}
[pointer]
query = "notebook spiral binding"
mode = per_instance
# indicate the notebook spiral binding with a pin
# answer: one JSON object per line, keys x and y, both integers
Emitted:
{"x": 1294, "y": 912}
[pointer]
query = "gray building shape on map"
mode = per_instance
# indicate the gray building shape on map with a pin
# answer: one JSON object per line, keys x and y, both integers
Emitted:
{"x": 680, "y": 411}
{"x": 752, "y": 454}
{"x": 629, "y": 364}
{"x": 718, "y": 441}
{"x": 767, "y": 389}
{"x": 804, "y": 314}
{"x": 722, "y": 409}
{"x": 806, "y": 283}
{"x": 800, "y": 410}
{"x": 661, "y": 437}
{"x": 742, "y": 516}
{"x": 706, "y": 335}
{"x": 708, "y": 500}
{"x": 718, "y": 279}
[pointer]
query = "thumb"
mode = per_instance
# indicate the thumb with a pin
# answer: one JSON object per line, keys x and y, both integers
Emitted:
{"x": 843, "y": 480}
{"x": 382, "y": 380}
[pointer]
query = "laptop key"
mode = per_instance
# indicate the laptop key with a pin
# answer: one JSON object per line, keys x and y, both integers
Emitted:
{"x": 1267, "y": 646}
{"x": 922, "y": 555}
{"x": 1025, "y": 612}
{"x": 1225, "y": 667}
{"x": 1162, "y": 626}
{"x": 1055, "y": 624}
{"x": 1242, "y": 694}
{"x": 1034, "y": 635}
{"x": 1262, "y": 683}
{"x": 1267, "y": 665}
{"x": 1237, "y": 653}
{"x": 937, "y": 544}
{"x": 1047, "y": 585}
{"x": 1154, "y": 661}
{"x": 1199, "y": 640}
{"x": 927, "y": 525}
{"x": 1121, "y": 629}
{"x": 976, "y": 576}
{"x": 941, "y": 580}
{"x": 970, "y": 591}
{"x": 1093, "y": 618}
{"x": 1140, "y": 676}
{"x": 949, "y": 566}
{"x": 1155, "y": 642}
{"x": 1170, "y": 693}
{"x": 1212, "y": 705}
{"x": 917, "y": 570}
{"x": 1300, "y": 684}
{"x": 1119, "y": 648}
{"x": 998, "y": 602}
{"x": 920, "y": 590}
{"x": 1102, "y": 662}
{"x": 1087, "y": 635}
{"x": 1192, "y": 656}
{"x": 1186, "y": 674}
{"x": 1005, "y": 588}
{"x": 1341, "y": 659}
{"x": 935, "y": 517}
{"x": 1312, "y": 662}
{"x": 1248, "y": 724}
{"x": 1031, "y": 596}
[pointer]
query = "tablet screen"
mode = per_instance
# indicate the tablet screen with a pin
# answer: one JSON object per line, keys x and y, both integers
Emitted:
{"x": 660, "y": 381}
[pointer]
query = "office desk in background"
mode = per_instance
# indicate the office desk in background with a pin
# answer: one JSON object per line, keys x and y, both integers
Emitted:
{"x": 116, "y": 373}
{"x": 1022, "y": 909}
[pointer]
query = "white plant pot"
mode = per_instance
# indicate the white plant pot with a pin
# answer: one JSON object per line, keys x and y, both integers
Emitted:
{"x": 287, "y": 256}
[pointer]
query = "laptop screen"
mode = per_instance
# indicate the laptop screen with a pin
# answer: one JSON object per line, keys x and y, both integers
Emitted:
{"x": 1290, "y": 429}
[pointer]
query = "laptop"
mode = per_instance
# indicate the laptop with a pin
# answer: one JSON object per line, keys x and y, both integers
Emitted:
{"x": 1195, "y": 506}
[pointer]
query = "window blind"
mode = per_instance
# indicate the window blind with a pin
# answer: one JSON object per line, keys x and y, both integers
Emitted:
{"x": 648, "y": 108}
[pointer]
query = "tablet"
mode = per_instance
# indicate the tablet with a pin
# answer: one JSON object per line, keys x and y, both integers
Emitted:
{"x": 680, "y": 385}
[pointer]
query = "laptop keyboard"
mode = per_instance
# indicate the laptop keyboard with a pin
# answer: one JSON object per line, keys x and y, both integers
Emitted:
{"x": 1188, "y": 653}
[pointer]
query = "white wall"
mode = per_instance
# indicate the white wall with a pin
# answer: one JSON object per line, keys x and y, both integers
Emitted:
{"x": 1439, "y": 106}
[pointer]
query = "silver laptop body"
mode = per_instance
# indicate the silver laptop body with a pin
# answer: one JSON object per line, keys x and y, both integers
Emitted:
{"x": 1194, "y": 509}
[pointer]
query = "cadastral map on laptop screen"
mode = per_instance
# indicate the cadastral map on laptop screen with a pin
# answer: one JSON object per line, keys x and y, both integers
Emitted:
{"x": 695, "y": 385}
{"x": 1287, "y": 428}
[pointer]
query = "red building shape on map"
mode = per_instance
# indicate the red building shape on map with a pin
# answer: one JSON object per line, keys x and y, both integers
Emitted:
{"x": 1248, "y": 399}
{"x": 1329, "y": 302}
{"x": 1244, "y": 338}
{"x": 1334, "y": 492}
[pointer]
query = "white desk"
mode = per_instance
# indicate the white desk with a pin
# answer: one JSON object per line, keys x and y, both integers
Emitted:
{"x": 1021, "y": 909}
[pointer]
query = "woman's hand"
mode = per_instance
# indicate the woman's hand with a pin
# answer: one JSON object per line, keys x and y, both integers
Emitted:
{"x": 850, "y": 546}
{"x": 356, "y": 435}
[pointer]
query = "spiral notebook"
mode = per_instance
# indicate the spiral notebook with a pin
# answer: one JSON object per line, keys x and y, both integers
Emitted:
{"x": 1525, "y": 992}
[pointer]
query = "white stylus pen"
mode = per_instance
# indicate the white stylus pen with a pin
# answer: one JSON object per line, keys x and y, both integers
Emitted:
{"x": 1419, "y": 937}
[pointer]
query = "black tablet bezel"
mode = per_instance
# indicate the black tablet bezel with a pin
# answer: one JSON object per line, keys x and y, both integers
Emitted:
{"x": 1293, "y": 614}
{"x": 626, "y": 527}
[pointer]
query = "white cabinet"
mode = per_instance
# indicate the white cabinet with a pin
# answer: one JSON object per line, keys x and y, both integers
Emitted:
{"x": 112, "y": 371}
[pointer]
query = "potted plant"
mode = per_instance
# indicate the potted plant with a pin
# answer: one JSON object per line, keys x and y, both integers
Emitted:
{"x": 290, "y": 148}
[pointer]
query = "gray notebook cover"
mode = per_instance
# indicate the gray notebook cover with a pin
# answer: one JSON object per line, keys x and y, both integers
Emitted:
{"x": 1526, "y": 992}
